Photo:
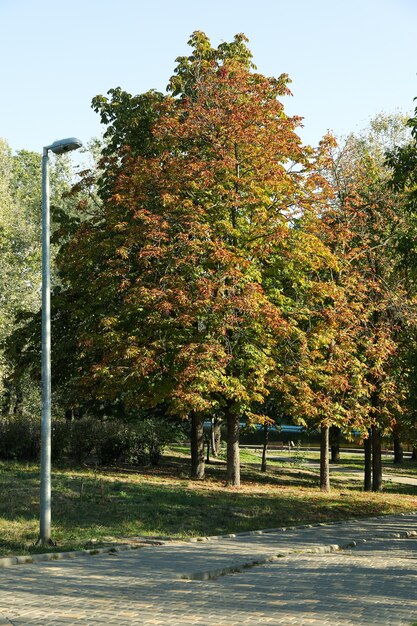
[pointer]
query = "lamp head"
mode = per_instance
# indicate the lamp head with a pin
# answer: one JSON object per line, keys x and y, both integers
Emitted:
{"x": 65, "y": 145}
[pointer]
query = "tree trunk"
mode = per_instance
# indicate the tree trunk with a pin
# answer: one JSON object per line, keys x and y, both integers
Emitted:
{"x": 217, "y": 436}
{"x": 367, "y": 445}
{"x": 376, "y": 459}
{"x": 18, "y": 400}
{"x": 207, "y": 441}
{"x": 265, "y": 447}
{"x": 212, "y": 443}
{"x": 414, "y": 454}
{"x": 324, "y": 459}
{"x": 7, "y": 397}
{"x": 398, "y": 448}
{"x": 334, "y": 436}
{"x": 197, "y": 447}
{"x": 233, "y": 454}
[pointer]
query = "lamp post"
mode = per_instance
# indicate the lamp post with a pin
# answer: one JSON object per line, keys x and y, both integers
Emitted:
{"x": 58, "y": 147}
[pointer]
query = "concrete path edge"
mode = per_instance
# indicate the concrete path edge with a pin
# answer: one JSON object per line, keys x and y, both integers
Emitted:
{"x": 27, "y": 559}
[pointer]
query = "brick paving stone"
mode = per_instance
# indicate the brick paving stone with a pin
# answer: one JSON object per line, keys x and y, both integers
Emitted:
{"x": 372, "y": 584}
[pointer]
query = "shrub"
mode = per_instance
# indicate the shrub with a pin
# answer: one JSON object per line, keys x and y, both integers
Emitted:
{"x": 87, "y": 439}
{"x": 19, "y": 438}
{"x": 83, "y": 436}
{"x": 60, "y": 439}
{"x": 111, "y": 443}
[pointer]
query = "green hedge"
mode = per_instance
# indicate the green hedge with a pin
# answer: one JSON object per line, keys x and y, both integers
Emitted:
{"x": 88, "y": 439}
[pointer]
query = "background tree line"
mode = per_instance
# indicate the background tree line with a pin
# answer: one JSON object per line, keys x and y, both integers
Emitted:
{"x": 212, "y": 267}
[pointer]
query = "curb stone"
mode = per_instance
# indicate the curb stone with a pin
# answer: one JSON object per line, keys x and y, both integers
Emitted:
{"x": 141, "y": 542}
{"x": 265, "y": 531}
{"x": 326, "y": 549}
{"x": 232, "y": 569}
{"x": 9, "y": 561}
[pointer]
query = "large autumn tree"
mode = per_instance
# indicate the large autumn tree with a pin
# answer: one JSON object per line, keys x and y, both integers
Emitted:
{"x": 320, "y": 375}
{"x": 368, "y": 221}
{"x": 402, "y": 161}
{"x": 178, "y": 308}
{"x": 350, "y": 310}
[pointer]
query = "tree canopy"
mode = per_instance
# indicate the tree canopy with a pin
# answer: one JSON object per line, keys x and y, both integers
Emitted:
{"x": 216, "y": 265}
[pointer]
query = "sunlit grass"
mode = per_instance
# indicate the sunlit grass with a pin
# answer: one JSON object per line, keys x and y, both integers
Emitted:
{"x": 107, "y": 505}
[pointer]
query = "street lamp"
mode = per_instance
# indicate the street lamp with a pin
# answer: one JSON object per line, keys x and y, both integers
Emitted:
{"x": 58, "y": 147}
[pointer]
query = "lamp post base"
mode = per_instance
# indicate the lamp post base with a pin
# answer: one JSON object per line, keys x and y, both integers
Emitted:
{"x": 45, "y": 542}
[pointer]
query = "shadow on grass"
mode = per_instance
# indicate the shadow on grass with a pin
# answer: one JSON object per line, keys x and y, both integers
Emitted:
{"x": 110, "y": 503}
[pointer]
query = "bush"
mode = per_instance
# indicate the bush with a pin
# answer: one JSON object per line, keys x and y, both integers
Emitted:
{"x": 83, "y": 436}
{"x": 112, "y": 443}
{"x": 141, "y": 443}
{"x": 87, "y": 439}
{"x": 60, "y": 439}
{"x": 20, "y": 438}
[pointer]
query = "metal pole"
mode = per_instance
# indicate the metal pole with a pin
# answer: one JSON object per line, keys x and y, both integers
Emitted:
{"x": 45, "y": 491}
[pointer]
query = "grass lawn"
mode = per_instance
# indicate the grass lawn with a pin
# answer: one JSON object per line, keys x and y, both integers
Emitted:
{"x": 109, "y": 504}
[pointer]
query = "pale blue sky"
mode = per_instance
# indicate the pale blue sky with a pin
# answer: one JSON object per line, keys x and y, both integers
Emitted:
{"x": 348, "y": 59}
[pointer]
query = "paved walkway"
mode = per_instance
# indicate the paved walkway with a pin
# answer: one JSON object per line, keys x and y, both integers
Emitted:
{"x": 313, "y": 467}
{"x": 358, "y": 475}
{"x": 373, "y": 582}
